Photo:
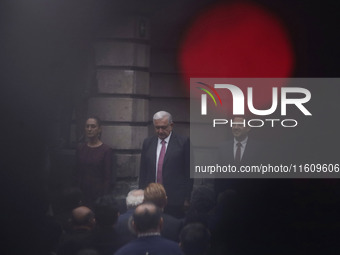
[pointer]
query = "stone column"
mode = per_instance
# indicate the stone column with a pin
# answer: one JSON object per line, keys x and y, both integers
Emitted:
{"x": 122, "y": 72}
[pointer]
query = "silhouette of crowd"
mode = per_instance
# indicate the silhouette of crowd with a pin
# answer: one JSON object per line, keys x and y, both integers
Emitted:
{"x": 212, "y": 224}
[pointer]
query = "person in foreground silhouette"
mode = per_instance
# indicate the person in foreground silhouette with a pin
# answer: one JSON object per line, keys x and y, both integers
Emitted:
{"x": 147, "y": 222}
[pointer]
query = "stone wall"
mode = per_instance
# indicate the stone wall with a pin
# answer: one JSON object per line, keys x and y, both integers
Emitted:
{"x": 122, "y": 57}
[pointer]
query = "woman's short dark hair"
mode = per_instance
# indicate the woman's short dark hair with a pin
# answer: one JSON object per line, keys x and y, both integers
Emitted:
{"x": 98, "y": 120}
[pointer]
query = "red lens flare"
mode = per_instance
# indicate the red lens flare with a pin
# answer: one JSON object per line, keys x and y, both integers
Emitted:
{"x": 237, "y": 40}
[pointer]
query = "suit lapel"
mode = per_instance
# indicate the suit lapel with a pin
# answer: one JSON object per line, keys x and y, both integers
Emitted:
{"x": 245, "y": 153}
{"x": 169, "y": 149}
{"x": 153, "y": 150}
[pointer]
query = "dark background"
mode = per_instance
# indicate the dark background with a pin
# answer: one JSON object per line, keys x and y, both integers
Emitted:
{"x": 43, "y": 45}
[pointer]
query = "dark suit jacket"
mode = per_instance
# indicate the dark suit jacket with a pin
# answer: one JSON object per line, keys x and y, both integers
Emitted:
{"x": 176, "y": 167}
{"x": 107, "y": 240}
{"x": 71, "y": 243}
{"x": 255, "y": 153}
{"x": 122, "y": 225}
{"x": 171, "y": 227}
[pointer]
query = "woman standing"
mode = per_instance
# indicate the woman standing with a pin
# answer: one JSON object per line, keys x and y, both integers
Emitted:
{"x": 94, "y": 163}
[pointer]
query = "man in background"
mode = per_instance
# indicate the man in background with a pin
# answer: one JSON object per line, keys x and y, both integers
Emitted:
{"x": 241, "y": 150}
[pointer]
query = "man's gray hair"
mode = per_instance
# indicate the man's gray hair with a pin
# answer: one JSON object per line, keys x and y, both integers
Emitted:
{"x": 134, "y": 198}
{"x": 161, "y": 115}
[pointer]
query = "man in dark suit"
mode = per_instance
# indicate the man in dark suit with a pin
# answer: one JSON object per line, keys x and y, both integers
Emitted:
{"x": 147, "y": 222}
{"x": 165, "y": 159}
{"x": 255, "y": 199}
{"x": 241, "y": 150}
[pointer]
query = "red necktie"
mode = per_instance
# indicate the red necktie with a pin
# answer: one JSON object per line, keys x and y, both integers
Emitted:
{"x": 160, "y": 162}
{"x": 238, "y": 153}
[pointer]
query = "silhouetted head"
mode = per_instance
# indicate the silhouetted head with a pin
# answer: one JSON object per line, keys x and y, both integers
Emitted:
{"x": 195, "y": 239}
{"x": 83, "y": 217}
{"x": 106, "y": 210}
{"x": 147, "y": 218}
